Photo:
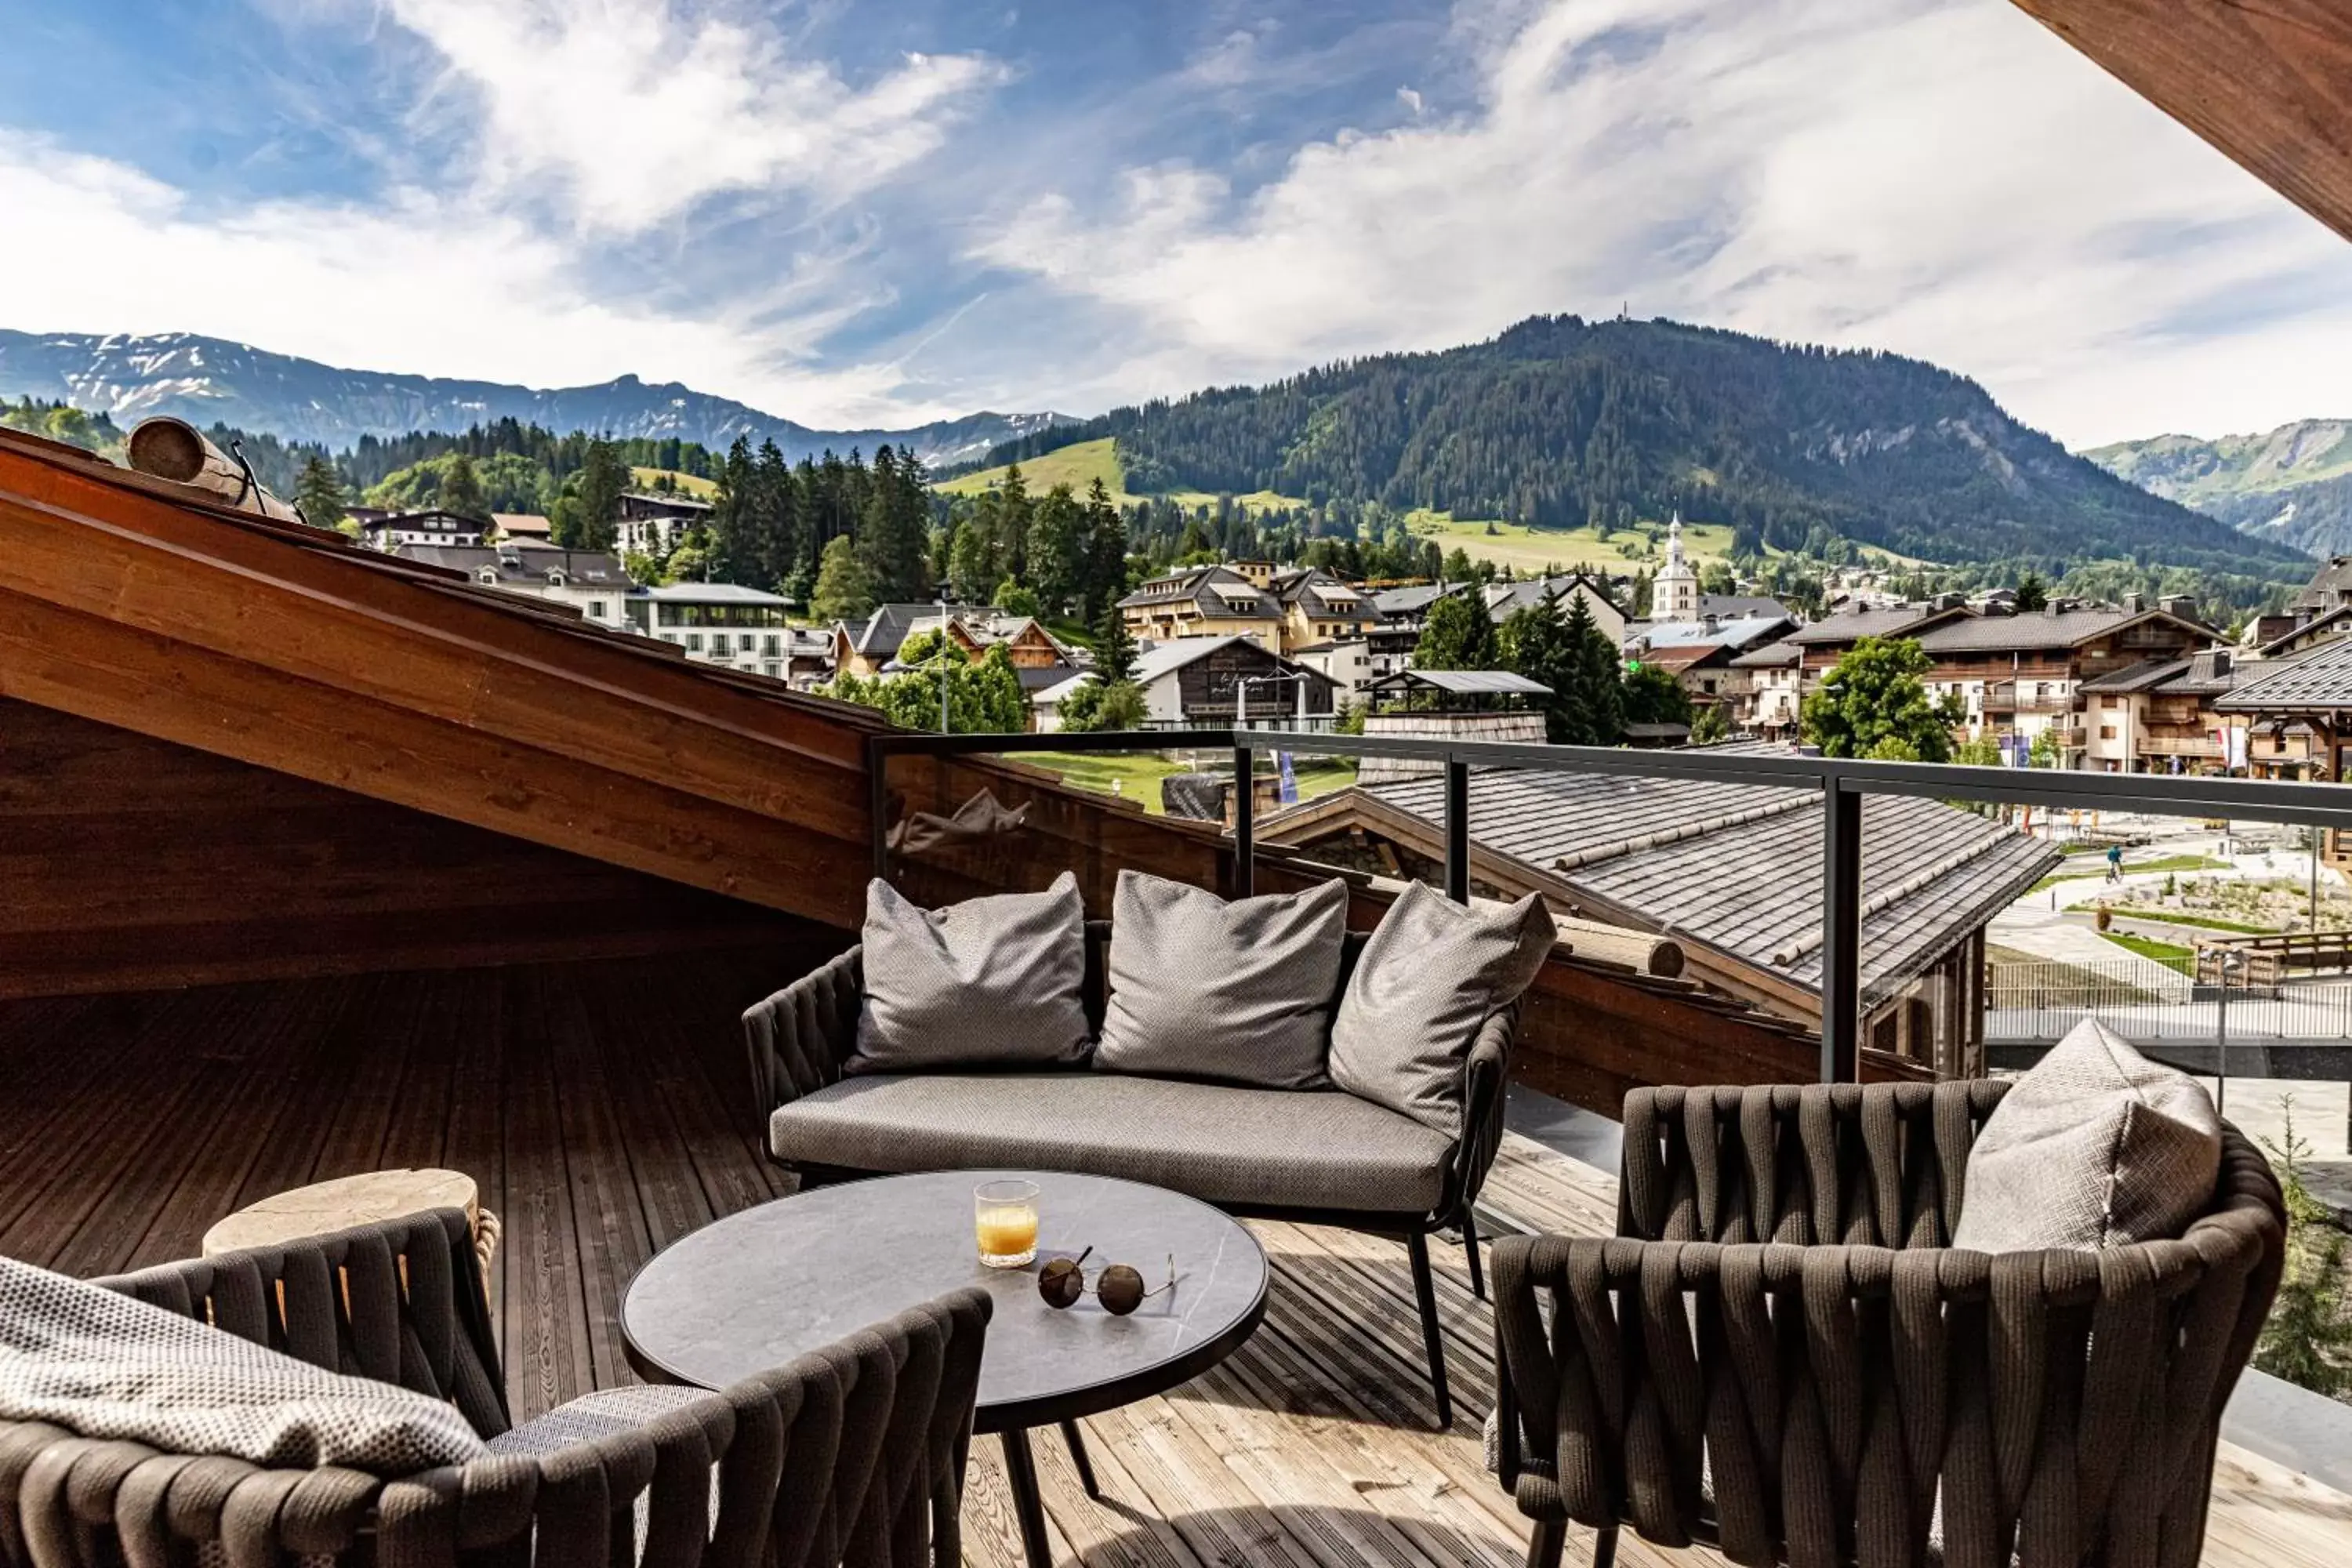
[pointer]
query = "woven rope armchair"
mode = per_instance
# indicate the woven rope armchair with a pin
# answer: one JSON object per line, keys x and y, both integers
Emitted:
{"x": 1781, "y": 1356}
{"x": 851, "y": 1455}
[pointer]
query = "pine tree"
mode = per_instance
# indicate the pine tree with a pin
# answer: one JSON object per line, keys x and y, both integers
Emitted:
{"x": 2307, "y": 1338}
{"x": 891, "y": 533}
{"x": 318, "y": 493}
{"x": 1105, "y": 572}
{"x": 1056, "y": 550}
{"x": 1114, "y": 646}
{"x": 461, "y": 491}
{"x": 1458, "y": 634}
{"x": 593, "y": 518}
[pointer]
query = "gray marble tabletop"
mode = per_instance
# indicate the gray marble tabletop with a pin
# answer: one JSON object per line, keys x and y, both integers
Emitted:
{"x": 753, "y": 1290}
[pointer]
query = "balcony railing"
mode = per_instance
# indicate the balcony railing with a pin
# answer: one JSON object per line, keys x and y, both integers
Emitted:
{"x": 1842, "y": 784}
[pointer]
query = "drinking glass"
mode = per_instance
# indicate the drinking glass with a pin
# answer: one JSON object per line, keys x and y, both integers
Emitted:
{"x": 1004, "y": 1217}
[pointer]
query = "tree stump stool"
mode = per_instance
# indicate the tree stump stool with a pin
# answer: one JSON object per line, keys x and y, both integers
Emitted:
{"x": 347, "y": 1201}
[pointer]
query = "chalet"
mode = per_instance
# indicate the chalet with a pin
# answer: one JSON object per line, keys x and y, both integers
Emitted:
{"x": 522, "y": 526}
{"x": 2018, "y": 676}
{"x": 1505, "y": 599}
{"x": 1039, "y": 658}
{"x": 1284, "y": 608}
{"x": 1823, "y": 642}
{"x": 651, "y": 524}
{"x": 391, "y": 530}
{"x": 1729, "y": 871}
{"x": 589, "y": 580}
{"x": 1402, "y": 612}
{"x": 2161, "y": 716}
{"x": 863, "y": 646}
{"x": 1761, "y": 685}
{"x": 1197, "y": 681}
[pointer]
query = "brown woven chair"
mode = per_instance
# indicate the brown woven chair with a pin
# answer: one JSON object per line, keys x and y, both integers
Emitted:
{"x": 1781, "y": 1356}
{"x": 851, "y": 1455}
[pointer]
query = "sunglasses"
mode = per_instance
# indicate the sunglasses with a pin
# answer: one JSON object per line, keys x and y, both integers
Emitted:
{"x": 1119, "y": 1288}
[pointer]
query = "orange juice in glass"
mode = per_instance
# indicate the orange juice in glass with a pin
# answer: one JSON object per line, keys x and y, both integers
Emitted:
{"x": 1004, "y": 1220}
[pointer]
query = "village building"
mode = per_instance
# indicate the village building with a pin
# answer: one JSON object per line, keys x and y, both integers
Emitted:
{"x": 590, "y": 581}
{"x": 2018, "y": 677}
{"x": 1198, "y": 682}
{"x": 651, "y": 524}
{"x": 1761, "y": 686}
{"x": 1731, "y": 872}
{"x": 723, "y": 624}
{"x": 1348, "y": 665}
{"x": 1698, "y": 653}
{"x": 522, "y": 526}
{"x": 2161, "y": 716}
{"x": 388, "y": 531}
{"x": 1285, "y": 608}
{"x": 1505, "y": 599}
{"x": 1673, "y": 592}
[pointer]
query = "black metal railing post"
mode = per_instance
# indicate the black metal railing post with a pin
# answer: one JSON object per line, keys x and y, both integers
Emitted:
{"x": 1841, "y": 932}
{"x": 1244, "y": 812}
{"x": 1457, "y": 830}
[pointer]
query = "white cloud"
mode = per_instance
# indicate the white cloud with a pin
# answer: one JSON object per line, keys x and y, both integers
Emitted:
{"x": 637, "y": 111}
{"x": 1943, "y": 178}
{"x": 409, "y": 283}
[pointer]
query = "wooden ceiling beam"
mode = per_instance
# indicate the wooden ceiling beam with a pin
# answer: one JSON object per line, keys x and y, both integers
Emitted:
{"x": 2268, "y": 82}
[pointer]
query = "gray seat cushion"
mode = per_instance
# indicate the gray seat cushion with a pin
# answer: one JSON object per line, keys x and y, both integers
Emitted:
{"x": 1225, "y": 1145}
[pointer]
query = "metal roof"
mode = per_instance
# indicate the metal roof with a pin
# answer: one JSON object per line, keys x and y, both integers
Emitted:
{"x": 1467, "y": 682}
{"x": 1737, "y": 867}
{"x": 2320, "y": 678}
{"x": 715, "y": 593}
{"x": 1772, "y": 656}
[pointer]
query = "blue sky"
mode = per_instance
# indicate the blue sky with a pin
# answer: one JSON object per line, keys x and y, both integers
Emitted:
{"x": 897, "y": 210}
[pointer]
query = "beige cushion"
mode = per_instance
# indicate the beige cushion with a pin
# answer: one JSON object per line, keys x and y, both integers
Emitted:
{"x": 2096, "y": 1147}
{"x": 1429, "y": 976}
{"x": 988, "y": 982}
{"x": 1239, "y": 991}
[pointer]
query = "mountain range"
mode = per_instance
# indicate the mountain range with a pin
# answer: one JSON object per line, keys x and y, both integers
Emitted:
{"x": 1560, "y": 423}
{"x": 2291, "y": 485}
{"x": 208, "y": 379}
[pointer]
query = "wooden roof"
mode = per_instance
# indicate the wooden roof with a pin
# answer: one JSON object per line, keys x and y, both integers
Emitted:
{"x": 2269, "y": 84}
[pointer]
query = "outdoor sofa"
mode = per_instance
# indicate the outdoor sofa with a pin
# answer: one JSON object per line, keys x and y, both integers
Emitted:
{"x": 855, "y": 1453}
{"x": 1783, "y": 1354}
{"x": 1320, "y": 1156}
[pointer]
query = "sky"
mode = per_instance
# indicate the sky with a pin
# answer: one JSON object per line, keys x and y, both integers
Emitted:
{"x": 900, "y": 210}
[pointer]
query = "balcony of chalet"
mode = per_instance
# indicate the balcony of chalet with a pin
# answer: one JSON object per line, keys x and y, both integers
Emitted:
{"x": 320, "y": 862}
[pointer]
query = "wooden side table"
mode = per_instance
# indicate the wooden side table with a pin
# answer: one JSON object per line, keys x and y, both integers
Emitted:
{"x": 347, "y": 1201}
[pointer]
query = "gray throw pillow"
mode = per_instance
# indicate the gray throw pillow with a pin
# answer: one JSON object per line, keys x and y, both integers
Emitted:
{"x": 2096, "y": 1147}
{"x": 988, "y": 982}
{"x": 1241, "y": 991}
{"x": 1429, "y": 976}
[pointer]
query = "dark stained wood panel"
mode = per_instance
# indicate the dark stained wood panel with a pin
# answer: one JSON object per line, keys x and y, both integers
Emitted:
{"x": 2269, "y": 82}
{"x": 128, "y": 863}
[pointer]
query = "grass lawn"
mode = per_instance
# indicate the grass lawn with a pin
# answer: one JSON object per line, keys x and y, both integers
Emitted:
{"x": 691, "y": 486}
{"x": 2054, "y": 983}
{"x": 1531, "y": 550}
{"x": 2172, "y": 957}
{"x": 2168, "y": 863}
{"x": 1137, "y": 774}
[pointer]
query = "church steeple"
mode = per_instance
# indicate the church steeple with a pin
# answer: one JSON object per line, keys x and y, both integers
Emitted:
{"x": 1673, "y": 596}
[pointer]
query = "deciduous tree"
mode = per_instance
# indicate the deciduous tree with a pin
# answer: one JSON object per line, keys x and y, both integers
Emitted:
{"x": 1875, "y": 693}
{"x": 1458, "y": 634}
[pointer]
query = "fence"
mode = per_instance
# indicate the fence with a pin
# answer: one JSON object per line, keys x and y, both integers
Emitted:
{"x": 2027, "y": 1003}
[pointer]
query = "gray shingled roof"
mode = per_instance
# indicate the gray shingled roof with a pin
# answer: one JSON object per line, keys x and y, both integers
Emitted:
{"x": 1738, "y": 867}
{"x": 1772, "y": 656}
{"x": 1847, "y": 626}
{"x": 2036, "y": 629}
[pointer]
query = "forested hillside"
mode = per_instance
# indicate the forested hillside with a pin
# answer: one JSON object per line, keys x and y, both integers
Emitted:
{"x": 1561, "y": 423}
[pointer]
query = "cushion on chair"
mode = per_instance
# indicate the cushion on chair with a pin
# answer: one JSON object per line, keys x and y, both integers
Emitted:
{"x": 990, "y": 981}
{"x": 1221, "y": 1143}
{"x": 595, "y": 1415}
{"x": 105, "y": 1366}
{"x": 1239, "y": 991}
{"x": 1430, "y": 975}
{"x": 2096, "y": 1147}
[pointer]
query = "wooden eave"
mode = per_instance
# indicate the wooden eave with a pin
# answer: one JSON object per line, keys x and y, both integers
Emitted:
{"x": 2268, "y": 82}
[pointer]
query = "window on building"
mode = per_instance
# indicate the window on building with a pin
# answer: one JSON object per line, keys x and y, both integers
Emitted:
{"x": 775, "y": 646}
{"x": 2109, "y": 701}
{"x": 771, "y": 667}
{"x": 596, "y": 610}
{"x": 2107, "y": 731}
{"x": 719, "y": 648}
{"x": 694, "y": 642}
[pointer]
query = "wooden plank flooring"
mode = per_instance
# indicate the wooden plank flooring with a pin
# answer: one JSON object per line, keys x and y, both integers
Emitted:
{"x": 602, "y": 1108}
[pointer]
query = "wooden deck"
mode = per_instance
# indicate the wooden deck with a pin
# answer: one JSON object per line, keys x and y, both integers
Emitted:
{"x": 129, "y": 1124}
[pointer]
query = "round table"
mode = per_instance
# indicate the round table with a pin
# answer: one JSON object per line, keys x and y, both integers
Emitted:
{"x": 754, "y": 1291}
